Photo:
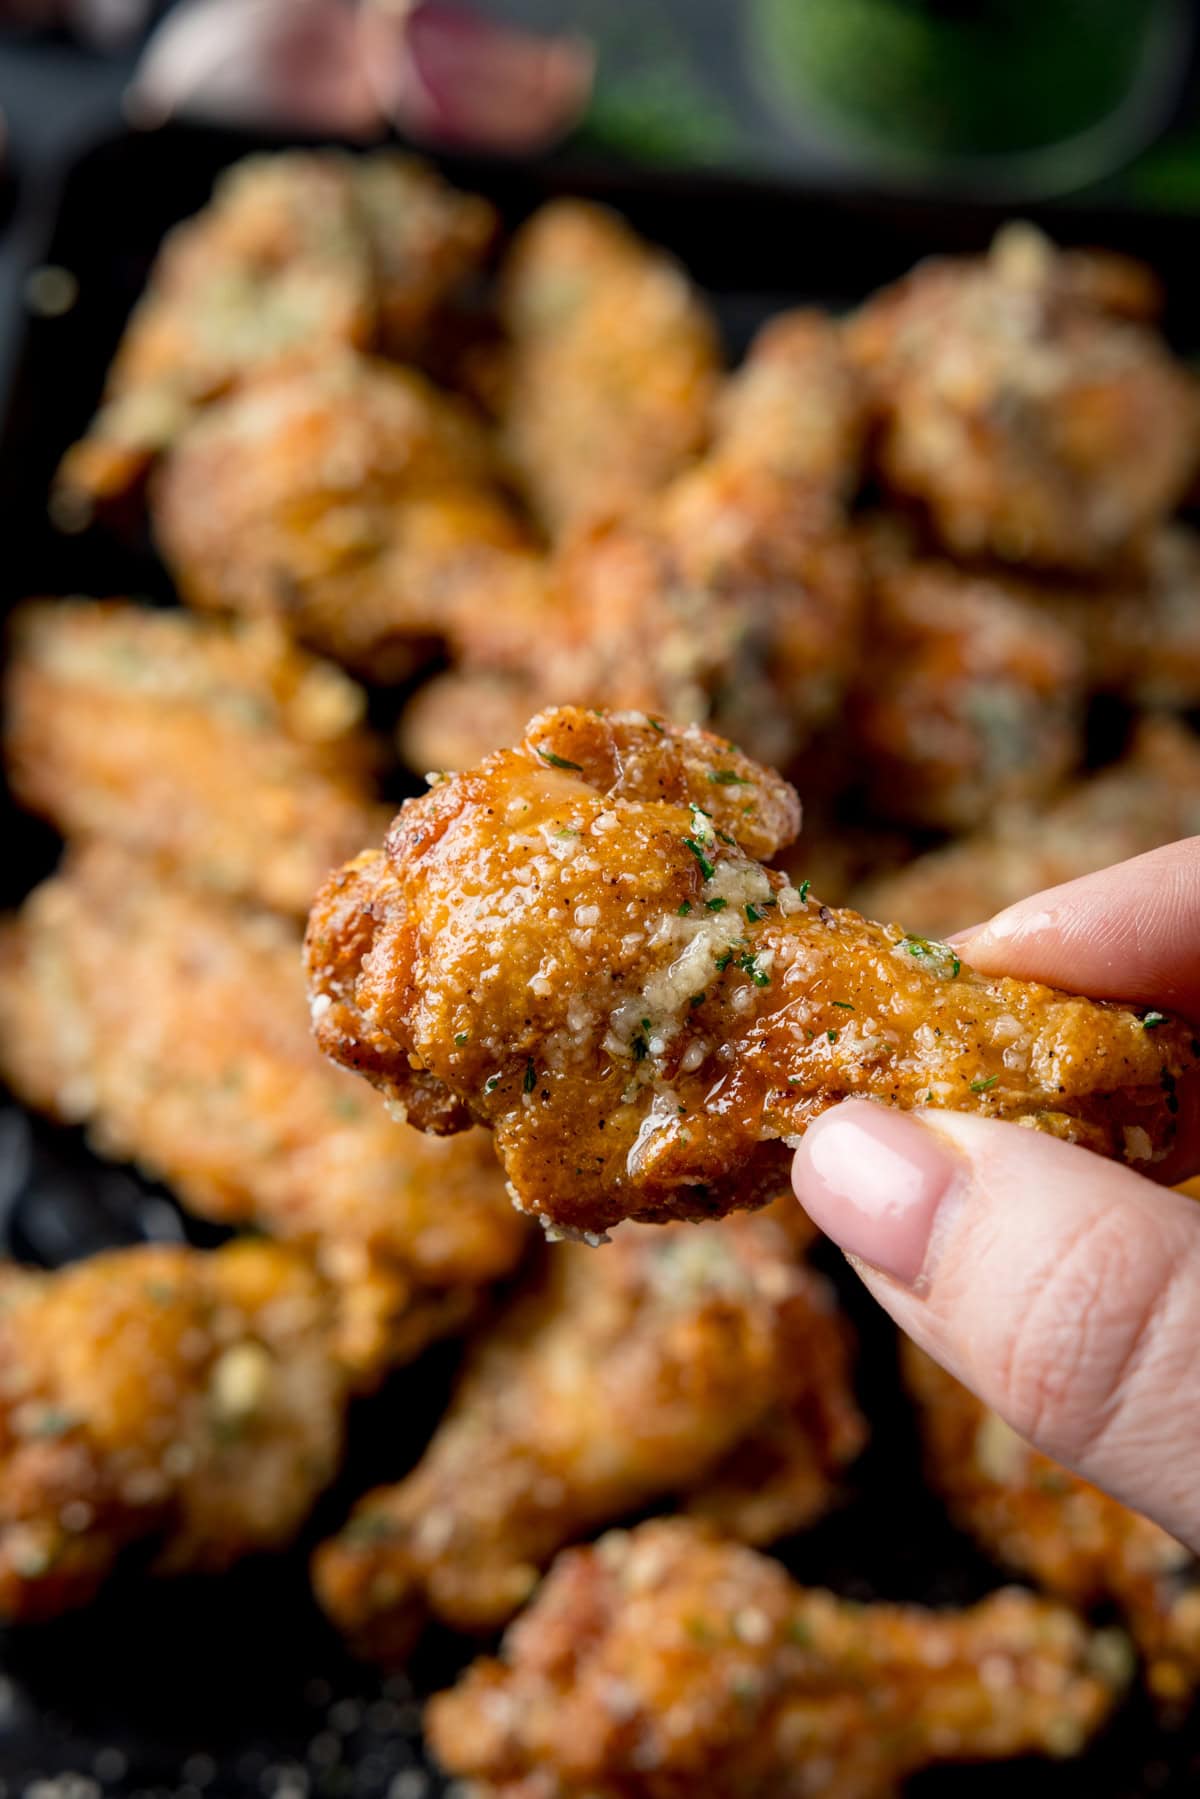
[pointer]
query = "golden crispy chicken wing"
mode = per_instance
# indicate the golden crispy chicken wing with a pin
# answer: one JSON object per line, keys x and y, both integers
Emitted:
{"x": 706, "y": 1362}
{"x": 1139, "y": 633}
{"x": 344, "y": 496}
{"x": 295, "y": 254}
{"x": 612, "y": 364}
{"x": 1046, "y": 1523}
{"x": 970, "y": 695}
{"x": 663, "y": 1662}
{"x": 797, "y": 408}
{"x": 176, "y": 1029}
{"x": 235, "y": 757}
{"x": 575, "y": 945}
{"x": 189, "y": 1401}
{"x": 732, "y": 599}
{"x": 1150, "y": 798}
{"x": 1031, "y": 423}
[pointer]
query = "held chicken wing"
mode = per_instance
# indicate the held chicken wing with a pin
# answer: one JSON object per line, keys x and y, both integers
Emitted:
{"x": 663, "y": 1661}
{"x": 1045, "y": 1523}
{"x": 175, "y": 1028}
{"x": 612, "y": 365}
{"x": 347, "y": 498}
{"x": 1031, "y": 421}
{"x": 1150, "y": 798}
{"x": 186, "y": 1401}
{"x": 296, "y": 254}
{"x": 706, "y": 1362}
{"x": 233, "y": 756}
{"x": 575, "y": 945}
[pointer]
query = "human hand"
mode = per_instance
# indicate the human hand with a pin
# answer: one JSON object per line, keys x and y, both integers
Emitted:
{"x": 1062, "y": 1288}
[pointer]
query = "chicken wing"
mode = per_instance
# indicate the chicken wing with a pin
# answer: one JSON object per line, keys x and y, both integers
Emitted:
{"x": 575, "y": 945}
{"x": 732, "y": 599}
{"x": 190, "y": 1402}
{"x": 1045, "y": 1523}
{"x": 1031, "y": 422}
{"x": 175, "y": 1028}
{"x": 1139, "y": 633}
{"x": 346, "y": 497}
{"x": 1150, "y": 798}
{"x": 970, "y": 695}
{"x": 707, "y": 1362}
{"x": 662, "y": 1661}
{"x": 612, "y": 364}
{"x": 296, "y": 253}
{"x": 236, "y": 758}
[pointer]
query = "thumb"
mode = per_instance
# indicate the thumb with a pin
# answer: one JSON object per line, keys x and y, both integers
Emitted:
{"x": 1062, "y": 1288}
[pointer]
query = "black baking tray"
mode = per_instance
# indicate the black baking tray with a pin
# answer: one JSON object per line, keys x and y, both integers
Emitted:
{"x": 236, "y": 1686}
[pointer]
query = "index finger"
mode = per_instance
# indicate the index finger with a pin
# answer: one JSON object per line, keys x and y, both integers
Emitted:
{"x": 1131, "y": 933}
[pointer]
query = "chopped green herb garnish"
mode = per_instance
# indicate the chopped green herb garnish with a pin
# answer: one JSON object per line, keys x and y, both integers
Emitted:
{"x": 726, "y": 838}
{"x": 530, "y": 1076}
{"x": 724, "y": 961}
{"x": 697, "y": 999}
{"x": 654, "y": 724}
{"x": 491, "y": 1084}
{"x": 560, "y": 761}
{"x": 940, "y": 957}
{"x": 707, "y": 869}
{"x": 983, "y": 1086}
{"x": 1152, "y": 1020}
{"x": 929, "y": 1096}
{"x": 52, "y": 1421}
{"x": 566, "y": 831}
{"x": 752, "y": 914}
{"x": 832, "y": 1036}
{"x": 685, "y": 908}
{"x": 749, "y": 964}
{"x": 371, "y": 1527}
{"x": 727, "y": 777}
{"x": 641, "y": 1049}
{"x": 844, "y": 1004}
{"x": 463, "y": 1037}
{"x": 804, "y": 889}
{"x": 799, "y": 1631}
{"x": 715, "y": 905}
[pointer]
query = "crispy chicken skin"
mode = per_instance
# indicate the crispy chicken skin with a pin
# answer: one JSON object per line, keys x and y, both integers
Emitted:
{"x": 612, "y": 365}
{"x": 1043, "y": 1522}
{"x": 175, "y": 1028}
{"x": 1029, "y": 421}
{"x": 185, "y": 1400}
{"x": 235, "y": 757}
{"x": 969, "y": 696}
{"x": 1140, "y": 632}
{"x": 797, "y": 407}
{"x": 574, "y": 944}
{"x": 294, "y": 255}
{"x": 698, "y": 1361}
{"x": 662, "y": 1662}
{"x": 346, "y": 497}
{"x": 1150, "y": 798}
{"x": 732, "y": 599}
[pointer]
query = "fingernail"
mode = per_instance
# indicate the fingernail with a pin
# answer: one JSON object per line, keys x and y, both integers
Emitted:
{"x": 875, "y": 1180}
{"x": 1014, "y": 921}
